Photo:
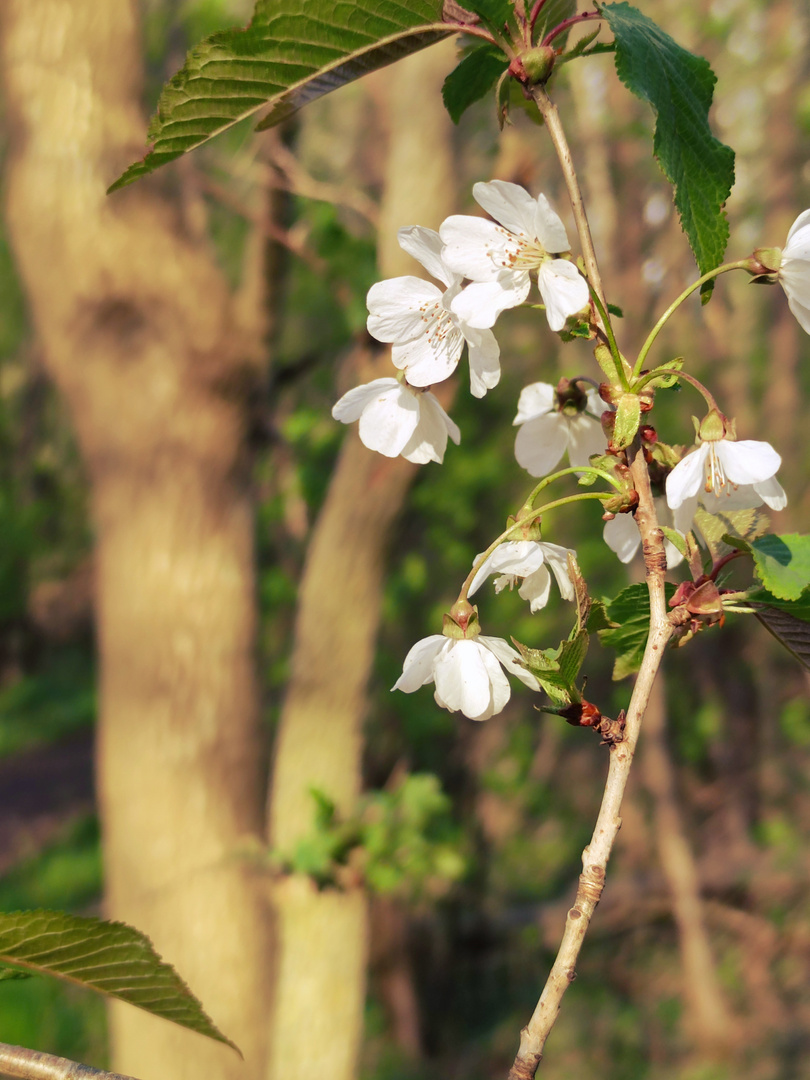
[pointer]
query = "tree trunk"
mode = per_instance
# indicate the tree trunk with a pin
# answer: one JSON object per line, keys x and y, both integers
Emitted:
{"x": 323, "y": 946}
{"x": 139, "y": 332}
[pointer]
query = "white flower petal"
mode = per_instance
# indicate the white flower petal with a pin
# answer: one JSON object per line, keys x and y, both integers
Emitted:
{"x": 684, "y": 515}
{"x": 801, "y": 311}
{"x": 470, "y": 679}
{"x": 557, "y": 558}
{"x": 541, "y": 443}
{"x": 510, "y": 659}
{"x": 622, "y": 536}
{"x": 564, "y": 291}
{"x": 687, "y": 478}
{"x": 351, "y": 405}
{"x": 389, "y": 421}
{"x": 397, "y": 308}
{"x": 772, "y": 493}
{"x": 425, "y": 245}
{"x": 485, "y": 361}
{"x": 418, "y": 667}
{"x": 510, "y": 204}
{"x": 429, "y": 440}
{"x": 536, "y": 399}
{"x": 801, "y": 222}
{"x": 473, "y": 246}
{"x": 585, "y": 437}
{"x": 596, "y": 405}
{"x": 536, "y": 588}
{"x": 430, "y": 358}
{"x": 548, "y": 227}
{"x": 747, "y": 461}
{"x": 479, "y": 304}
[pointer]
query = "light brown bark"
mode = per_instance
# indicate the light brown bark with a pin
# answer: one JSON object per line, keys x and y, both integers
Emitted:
{"x": 323, "y": 937}
{"x": 139, "y": 332}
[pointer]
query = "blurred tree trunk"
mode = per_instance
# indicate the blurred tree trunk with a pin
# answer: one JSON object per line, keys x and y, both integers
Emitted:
{"x": 139, "y": 332}
{"x": 323, "y": 936}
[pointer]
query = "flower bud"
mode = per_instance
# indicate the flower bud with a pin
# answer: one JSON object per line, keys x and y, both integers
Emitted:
{"x": 461, "y": 621}
{"x": 765, "y": 261}
{"x": 534, "y": 66}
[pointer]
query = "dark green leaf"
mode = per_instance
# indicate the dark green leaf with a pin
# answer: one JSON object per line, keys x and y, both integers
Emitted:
{"x": 552, "y": 14}
{"x": 787, "y": 620}
{"x": 290, "y": 54}
{"x": 109, "y": 957}
{"x": 679, "y": 87}
{"x": 472, "y": 79}
{"x": 783, "y": 564}
{"x": 499, "y": 15}
{"x": 630, "y": 612}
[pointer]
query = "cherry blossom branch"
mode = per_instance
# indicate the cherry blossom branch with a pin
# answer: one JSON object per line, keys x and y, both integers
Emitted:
{"x": 596, "y": 855}
{"x": 548, "y": 110}
{"x": 33, "y": 1065}
{"x": 707, "y": 395}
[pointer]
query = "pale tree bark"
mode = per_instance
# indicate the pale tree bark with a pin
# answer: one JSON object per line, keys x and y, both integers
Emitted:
{"x": 139, "y": 332}
{"x": 707, "y": 1017}
{"x": 323, "y": 936}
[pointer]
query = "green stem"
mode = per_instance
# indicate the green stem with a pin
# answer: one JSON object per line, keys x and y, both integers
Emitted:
{"x": 544, "y": 483}
{"x": 528, "y": 516}
{"x": 658, "y": 372}
{"x": 742, "y": 264}
{"x": 614, "y": 348}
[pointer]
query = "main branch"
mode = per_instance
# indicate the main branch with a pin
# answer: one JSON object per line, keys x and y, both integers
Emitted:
{"x": 596, "y": 855}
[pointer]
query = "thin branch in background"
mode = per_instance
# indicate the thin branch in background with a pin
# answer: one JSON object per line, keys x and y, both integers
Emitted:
{"x": 32, "y": 1065}
{"x": 286, "y": 172}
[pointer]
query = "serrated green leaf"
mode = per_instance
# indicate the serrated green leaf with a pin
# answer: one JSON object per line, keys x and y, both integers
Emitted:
{"x": 630, "y": 614}
{"x": 717, "y": 528}
{"x": 679, "y": 88}
{"x": 109, "y": 957}
{"x": 783, "y": 564}
{"x": 290, "y": 54}
{"x": 552, "y": 14}
{"x": 472, "y": 79}
{"x": 787, "y": 620}
{"x": 572, "y": 657}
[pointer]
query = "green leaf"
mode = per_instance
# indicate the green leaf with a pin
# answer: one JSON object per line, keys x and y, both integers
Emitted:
{"x": 498, "y": 14}
{"x": 472, "y": 79}
{"x": 290, "y": 54}
{"x": 676, "y": 539}
{"x": 787, "y": 620}
{"x": 783, "y": 564}
{"x": 679, "y": 88}
{"x": 630, "y": 612}
{"x": 109, "y": 957}
{"x": 552, "y": 14}
{"x": 719, "y": 529}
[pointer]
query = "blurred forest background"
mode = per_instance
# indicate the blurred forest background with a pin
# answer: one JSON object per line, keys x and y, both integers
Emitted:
{"x": 207, "y": 586}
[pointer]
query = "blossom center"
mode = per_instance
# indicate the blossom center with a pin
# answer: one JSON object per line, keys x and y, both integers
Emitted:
{"x": 439, "y": 323}
{"x": 519, "y": 252}
{"x": 716, "y": 480}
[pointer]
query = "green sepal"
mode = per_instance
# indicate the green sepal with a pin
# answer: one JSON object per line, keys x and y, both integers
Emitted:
{"x": 676, "y": 539}
{"x": 627, "y": 420}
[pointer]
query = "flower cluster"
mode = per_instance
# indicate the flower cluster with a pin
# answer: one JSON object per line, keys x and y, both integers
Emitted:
{"x": 484, "y": 267}
{"x": 428, "y": 326}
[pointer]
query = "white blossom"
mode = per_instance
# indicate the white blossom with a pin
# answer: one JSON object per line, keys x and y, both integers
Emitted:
{"x": 724, "y": 474}
{"x": 420, "y": 321}
{"x": 546, "y": 431}
{"x": 794, "y": 271}
{"x": 528, "y": 560}
{"x": 622, "y": 536}
{"x": 468, "y": 673}
{"x": 498, "y": 257}
{"x": 396, "y": 419}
